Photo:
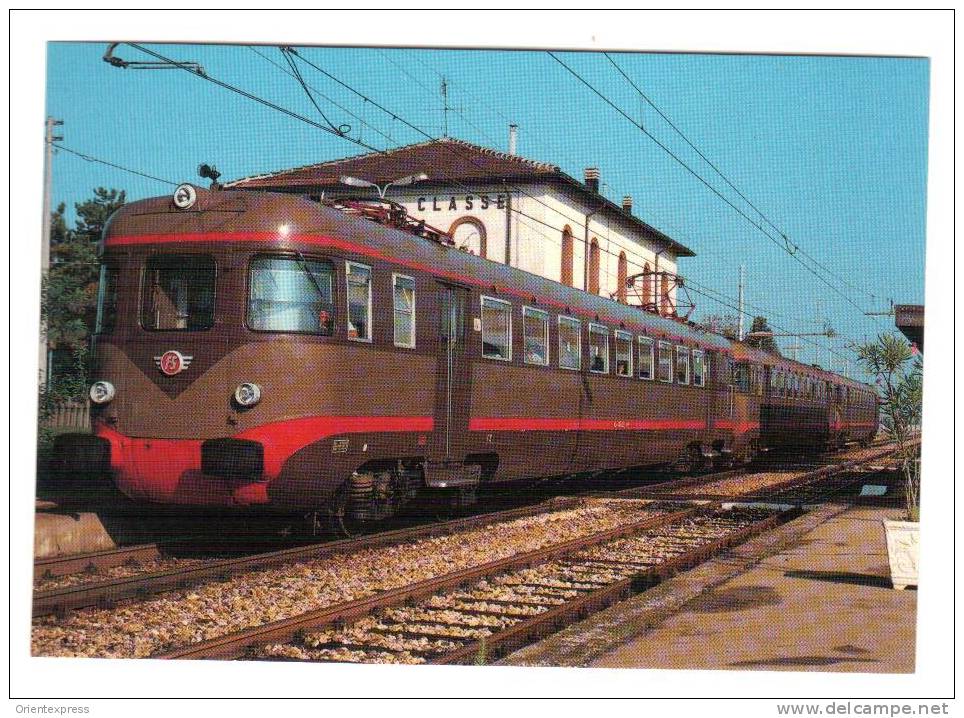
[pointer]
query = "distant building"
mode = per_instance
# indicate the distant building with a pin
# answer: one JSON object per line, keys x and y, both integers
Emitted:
{"x": 512, "y": 210}
{"x": 909, "y": 319}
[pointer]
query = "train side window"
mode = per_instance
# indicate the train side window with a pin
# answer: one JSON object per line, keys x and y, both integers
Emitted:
{"x": 535, "y": 330}
{"x": 570, "y": 343}
{"x": 665, "y": 362}
{"x": 290, "y": 294}
{"x": 496, "y": 329}
{"x": 682, "y": 365}
{"x": 404, "y": 299}
{"x": 179, "y": 292}
{"x": 598, "y": 349}
{"x": 741, "y": 377}
{"x": 699, "y": 368}
{"x": 624, "y": 353}
{"x": 359, "y": 280}
{"x": 107, "y": 298}
{"x": 645, "y": 358}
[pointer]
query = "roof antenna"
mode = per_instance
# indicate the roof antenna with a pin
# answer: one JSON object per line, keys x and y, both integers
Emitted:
{"x": 210, "y": 172}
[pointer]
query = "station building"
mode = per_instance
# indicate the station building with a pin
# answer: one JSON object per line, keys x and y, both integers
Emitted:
{"x": 509, "y": 209}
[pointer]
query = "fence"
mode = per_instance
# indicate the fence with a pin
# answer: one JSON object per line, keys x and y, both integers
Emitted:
{"x": 71, "y": 414}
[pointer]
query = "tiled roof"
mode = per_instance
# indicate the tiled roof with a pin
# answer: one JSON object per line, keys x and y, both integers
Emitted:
{"x": 446, "y": 161}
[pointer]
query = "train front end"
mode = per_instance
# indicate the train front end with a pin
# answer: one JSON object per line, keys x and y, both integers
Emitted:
{"x": 189, "y": 405}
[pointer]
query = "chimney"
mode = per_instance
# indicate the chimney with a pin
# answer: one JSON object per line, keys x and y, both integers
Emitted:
{"x": 628, "y": 203}
{"x": 513, "y": 134}
{"x": 592, "y": 178}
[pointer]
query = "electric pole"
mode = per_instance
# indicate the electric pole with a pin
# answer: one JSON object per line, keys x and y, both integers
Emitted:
{"x": 740, "y": 295}
{"x": 49, "y": 139}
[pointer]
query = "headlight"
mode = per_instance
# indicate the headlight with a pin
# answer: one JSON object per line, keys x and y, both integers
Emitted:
{"x": 101, "y": 392}
{"x": 247, "y": 394}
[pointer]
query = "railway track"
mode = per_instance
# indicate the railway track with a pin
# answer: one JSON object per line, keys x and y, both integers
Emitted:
{"x": 478, "y": 614}
{"x": 759, "y": 484}
{"x": 108, "y": 592}
{"x": 70, "y": 583}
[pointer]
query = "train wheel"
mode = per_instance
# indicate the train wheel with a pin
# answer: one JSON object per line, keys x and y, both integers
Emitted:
{"x": 752, "y": 451}
{"x": 692, "y": 461}
{"x": 340, "y": 522}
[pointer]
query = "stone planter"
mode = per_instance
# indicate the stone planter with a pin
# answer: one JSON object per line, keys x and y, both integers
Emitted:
{"x": 903, "y": 545}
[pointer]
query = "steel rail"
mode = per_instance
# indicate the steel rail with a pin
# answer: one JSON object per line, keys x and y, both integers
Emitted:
{"x": 536, "y": 627}
{"x": 93, "y": 593}
{"x": 238, "y": 644}
{"x": 57, "y": 566}
{"x": 664, "y": 491}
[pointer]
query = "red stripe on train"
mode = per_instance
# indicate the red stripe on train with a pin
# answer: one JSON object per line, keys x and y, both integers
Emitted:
{"x": 496, "y": 423}
{"x": 738, "y": 427}
{"x": 169, "y": 470}
{"x": 283, "y": 438}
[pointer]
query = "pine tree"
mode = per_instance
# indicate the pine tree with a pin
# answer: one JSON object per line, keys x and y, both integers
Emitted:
{"x": 69, "y": 304}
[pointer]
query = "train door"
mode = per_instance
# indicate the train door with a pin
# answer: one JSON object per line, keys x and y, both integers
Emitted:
{"x": 450, "y": 436}
{"x": 743, "y": 399}
{"x": 721, "y": 406}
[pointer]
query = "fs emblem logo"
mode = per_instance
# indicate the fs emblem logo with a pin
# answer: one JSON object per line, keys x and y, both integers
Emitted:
{"x": 173, "y": 362}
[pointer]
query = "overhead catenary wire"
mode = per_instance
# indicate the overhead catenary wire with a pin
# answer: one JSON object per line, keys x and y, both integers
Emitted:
{"x": 782, "y": 233}
{"x": 255, "y": 98}
{"x": 699, "y": 177}
{"x": 98, "y": 160}
{"x": 318, "y": 125}
{"x": 341, "y": 107}
{"x": 394, "y": 116}
{"x": 340, "y": 129}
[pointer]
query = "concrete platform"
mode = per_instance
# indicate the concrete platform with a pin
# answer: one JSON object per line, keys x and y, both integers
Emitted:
{"x": 813, "y": 595}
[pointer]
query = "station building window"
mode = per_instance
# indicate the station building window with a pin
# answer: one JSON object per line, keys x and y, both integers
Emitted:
{"x": 665, "y": 368}
{"x": 598, "y": 349}
{"x": 404, "y": 292}
{"x": 565, "y": 274}
{"x": 622, "y": 275}
{"x": 624, "y": 353}
{"x": 699, "y": 368}
{"x": 535, "y": 330}
{"x": 570, "y": 343}
{"x": 359, "y": 280}
{"x": 645, "y": 358}
{"x": 496, "y": 329}
{"x": 594, "y": 266}
{"x": 682, "y": 365}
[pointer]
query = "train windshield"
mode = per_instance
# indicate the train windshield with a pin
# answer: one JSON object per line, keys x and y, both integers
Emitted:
{"x": 179, "y": 292}
{"x": 291, "y": 294}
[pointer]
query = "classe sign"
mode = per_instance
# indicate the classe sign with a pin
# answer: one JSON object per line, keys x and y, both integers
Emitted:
{"x": 457, "y": 202}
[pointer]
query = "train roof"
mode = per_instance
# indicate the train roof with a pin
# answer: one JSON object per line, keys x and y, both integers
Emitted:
{"x": 289, "y": 221}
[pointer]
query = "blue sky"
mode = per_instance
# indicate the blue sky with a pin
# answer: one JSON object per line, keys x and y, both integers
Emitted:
{"x": 832, "y": 149}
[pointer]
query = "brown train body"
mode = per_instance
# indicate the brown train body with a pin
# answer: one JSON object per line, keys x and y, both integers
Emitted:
{"x": 351, "y": 416}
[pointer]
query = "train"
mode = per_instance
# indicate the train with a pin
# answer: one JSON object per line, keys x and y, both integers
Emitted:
{"x": 292, "y": 354}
